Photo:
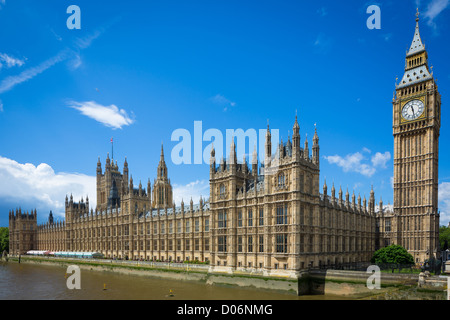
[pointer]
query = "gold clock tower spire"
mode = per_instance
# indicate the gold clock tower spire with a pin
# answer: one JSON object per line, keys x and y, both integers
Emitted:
{"x": 416, "y": 126}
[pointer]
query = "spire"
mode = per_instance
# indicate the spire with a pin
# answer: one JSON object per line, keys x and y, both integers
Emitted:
{"x": 296, "y": 125}
{"x": 233, "y": 158}
{"x": 316, "y": 136}
{"x": 254, "y": 155}
{"x": 316, "y": 148}
{"x": 162, "y": 153}
{"x": 306, "y": 148}
{"x": 416, "y": 45}
{"x": 268, "y": 146}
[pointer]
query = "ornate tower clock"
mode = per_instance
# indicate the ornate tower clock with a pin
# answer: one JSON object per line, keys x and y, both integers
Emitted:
{"x": 416, "y": 125}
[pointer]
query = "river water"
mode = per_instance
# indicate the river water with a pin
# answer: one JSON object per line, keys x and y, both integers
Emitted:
{"x": 45, "y": 282}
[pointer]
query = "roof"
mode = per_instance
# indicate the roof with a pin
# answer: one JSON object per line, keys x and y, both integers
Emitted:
{"x": 415, "y": 75}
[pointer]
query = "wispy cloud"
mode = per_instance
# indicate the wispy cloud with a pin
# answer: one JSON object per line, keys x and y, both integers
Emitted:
{"x": 2, "y": 3}
{"x": 10, "y": 61}
{"x": 194, "y": 190}
{"x": 387, "y": 36}
{"x": 434, "y": 8}
{"x": 322, "y": 11}
{"x": 69, "y": 53}
{"x": 1, "y": 106}
{"x": 322, "y": 43}
{"x": 10, "y": 82}
{"x": 222, "y": 101}
{"x": 110, "y": 116}
{"x": 42, "y": 188}
{"x": 358, "y": 162}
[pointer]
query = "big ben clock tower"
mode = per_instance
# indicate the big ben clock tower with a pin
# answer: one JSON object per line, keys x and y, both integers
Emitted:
{"x": 416, "y": 125}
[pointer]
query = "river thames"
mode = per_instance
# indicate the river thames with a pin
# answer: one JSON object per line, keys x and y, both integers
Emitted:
{"x": 43, "y": 282}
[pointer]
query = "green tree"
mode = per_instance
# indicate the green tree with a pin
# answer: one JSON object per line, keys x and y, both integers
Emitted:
{"x": 392, "y": 254}
{"x": 444, "y": 234}
{"x": 4, "y": 239}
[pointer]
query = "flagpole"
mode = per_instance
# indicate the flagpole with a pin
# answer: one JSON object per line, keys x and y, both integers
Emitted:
{"x": 112, "y": 148}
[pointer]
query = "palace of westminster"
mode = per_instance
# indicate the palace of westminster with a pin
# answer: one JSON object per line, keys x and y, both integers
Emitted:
{"x": 270, "y": 216}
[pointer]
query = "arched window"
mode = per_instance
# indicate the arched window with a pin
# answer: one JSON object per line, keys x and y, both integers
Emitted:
{"x": 222, "y": 190}
{"x": 281, "y": 180}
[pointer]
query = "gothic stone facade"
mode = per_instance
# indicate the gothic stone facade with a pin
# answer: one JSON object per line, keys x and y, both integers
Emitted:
{"x": 270, "y": 216}
{"x": 414, "y": 221}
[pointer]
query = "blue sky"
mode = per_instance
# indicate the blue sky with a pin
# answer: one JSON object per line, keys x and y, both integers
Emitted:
{"x": 139, "y": 70}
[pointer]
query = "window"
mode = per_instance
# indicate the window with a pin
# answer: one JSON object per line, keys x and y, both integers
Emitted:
{"x": 196, "y": 244}
{"x": 281, "y": 245}
{"x": 197, "y": 225}
{"x": 250, "y": 217}
{"x": 206, "y": 244}
{"x": 178, "y": 226}
{"x": 222, "y": 219}
{"x": 239, "y": 248}
{"x": 222, "y": 190}
{"x": 388, "y": 225}
{"x": 261, "y": 217}
{"x": 188, "y": 226}
{"x": 302, "y": 215}
{"x": 282, "y": 214}
{"x": 222, "y": 243}
{"x": 206, "y": 225}
{"x": 187, "y": 245}
{"x": 281, "y": 180}
{"x": 261, "y": 243}
{"x": 250, "y": 244}
{"x": 240, "y": 218}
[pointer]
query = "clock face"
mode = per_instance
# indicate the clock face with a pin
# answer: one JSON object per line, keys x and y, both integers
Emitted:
{"x": 413, "y": 110}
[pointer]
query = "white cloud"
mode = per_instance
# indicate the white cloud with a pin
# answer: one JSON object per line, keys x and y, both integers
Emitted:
{"x": 1, "y": 106}
{"x": 355, "y": 162}
{"x": 434, "y": 8}
{"x": 10, "y": 61}
{"x": 381, "y": 159}
{"x": 110, "y": 116}
{"x": 352, "y": 163}
{"x": 42, "y": 188}
{"x": 194, "y": 190}
{"x": 444, "y": 202}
